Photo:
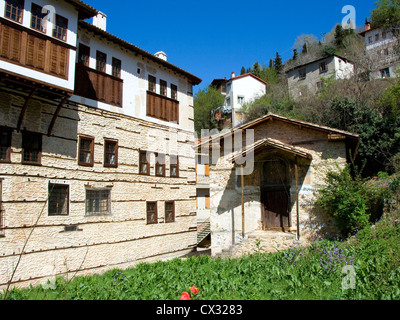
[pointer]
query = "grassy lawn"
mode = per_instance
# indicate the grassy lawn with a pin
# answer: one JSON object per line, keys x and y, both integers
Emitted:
{"x": 299, "y": 273}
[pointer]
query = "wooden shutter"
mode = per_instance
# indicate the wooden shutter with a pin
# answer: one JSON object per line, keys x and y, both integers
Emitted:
{"x": 5, "y": 40}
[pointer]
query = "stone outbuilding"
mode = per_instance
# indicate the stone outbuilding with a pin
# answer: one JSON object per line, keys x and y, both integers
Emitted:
{"x": 263, "y": 176}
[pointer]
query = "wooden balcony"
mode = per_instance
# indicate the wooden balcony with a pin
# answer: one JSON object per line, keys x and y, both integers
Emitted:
{"x": 162, "y": 108}
{"x": 33, "y": 50}
{"x": 99, "y": 86}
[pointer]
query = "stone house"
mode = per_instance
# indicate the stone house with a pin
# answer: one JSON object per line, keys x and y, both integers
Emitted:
{"x": 279, "y": 162}
{"x": 97, "y": 167}
{"x": 308, "y": 77}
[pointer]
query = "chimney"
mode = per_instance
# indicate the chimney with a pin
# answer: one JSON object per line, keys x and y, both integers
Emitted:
{"x": 161, "y": 55}
{"x": 367, "y": 25}
{"x": 100, "y": 21}
{"x": 233, "y": 75}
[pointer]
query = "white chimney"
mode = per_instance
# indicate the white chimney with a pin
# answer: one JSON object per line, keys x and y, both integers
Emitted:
{"x": 100, "y": 21}
{"x": 162, "y": 55}
{"x": 233, "y": 75}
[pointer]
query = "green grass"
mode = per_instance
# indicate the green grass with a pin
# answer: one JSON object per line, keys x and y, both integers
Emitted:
{"x": 311, "y": 273}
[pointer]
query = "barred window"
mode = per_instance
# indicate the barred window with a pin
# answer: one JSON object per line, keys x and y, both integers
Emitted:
{"x": 101, "y": 61}
{"x": 5, "y": 144}
{"x": 170, "y": 211}
{"x": 174, "y": 92}
{"x": 58, "y": 200}
{"x": 32, "y": 148}
{"x": 83, "y": 55}
{"x": 151, "y": 212}
{"x": 116, "y": 67}
{"x": 14, "y": 10}
{"x": 98, "y": 202}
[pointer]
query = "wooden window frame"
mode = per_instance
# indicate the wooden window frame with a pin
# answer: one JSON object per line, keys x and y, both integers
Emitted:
{"x": 84, "y": 55}
{"x": 101, "y": 61}
{"x": 172, "y": 211}
{"x": 116, "y": 67}
{"x": 323, "y": 67}
{"x": 174, "y": 165}
{"x": 302, "y": 73}
{"x": 52, "y": 186}
{"x": 149, "y": 212}
{"x": 60, "y": 31}
{"x": 93, "y": 195}
{"x": 30, "y": 149}
{"x": 152, "y": 83}
{"x": 142, "y": 152}
{"x": 90, "y": 152}
{"x": 11, "y": 5}
{"x": 37, "y": 20}
{"x": 7, "y": 145}
{"x": 160, "y": 163}
{"x": 115, "y": 153}
{"x": 163, "y": 88}
{"x": 174, "y": 92}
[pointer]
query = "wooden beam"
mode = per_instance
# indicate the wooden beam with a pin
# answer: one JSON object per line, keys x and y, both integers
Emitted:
{"x": 24, "y": 107}
{"x": 296, "y": 166}
{"x": 242, "y": 183}
{"x": 53, "y": 120}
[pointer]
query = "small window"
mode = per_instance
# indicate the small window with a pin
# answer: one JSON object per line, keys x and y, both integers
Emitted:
{"x": 31, "y": 148}
{"x": 170, "y": 211}
{"x": 83, "y": 55}
{"x": 116, "y": 67}
{"x": 190, "y": 89}
{"x": 86, "y": 150}
{"x": 323, "y": 67}
{"x": 385, "y": 73}
{"x": 144, "y": 163}
{"x": 152, "y": 84}
{"x": 37, "y": 17}
{"x": 60, "y": 28}
{"x": 98, "y": 202}
{"x": 370, "y": 40}
{"x": 151, "y": 209}
{"x": 302, "y": 73}
{"x": 174, "y": 92}
{"x": 5, "y": 145}
{"x": 386, "y": 52}
{"x": 377, "y": 37}
{"x": 384, "y": 35}
{"x": 160, "y": 165}
{"x": 174, "y": 166}
{"x": 101, "y": 61}
{"x": 241, "y": 100}
{"x": 14, "y": 10}
{"x": 58, "y": 200}
{"x": 110, "y": 153}
{"x": 163, "y": 88}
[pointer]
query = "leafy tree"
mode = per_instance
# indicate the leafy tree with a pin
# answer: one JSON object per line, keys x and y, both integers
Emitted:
{"x": 387, "y": 15}
{"x": 271, "y": 63}
{"x": 295, "y": 54}
{"x": 242, "y": 71}
{"x": 256, "y": 69}
{"x": 206, "y": 103}
{"x": 278, "y": 63}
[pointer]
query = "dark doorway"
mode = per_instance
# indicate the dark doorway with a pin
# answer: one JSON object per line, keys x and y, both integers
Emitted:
{"x": 275, "y": 195}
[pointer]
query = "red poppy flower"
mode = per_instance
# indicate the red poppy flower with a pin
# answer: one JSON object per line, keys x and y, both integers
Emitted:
{"x": 185, "y": 296}
{"x": 194, "y": 290}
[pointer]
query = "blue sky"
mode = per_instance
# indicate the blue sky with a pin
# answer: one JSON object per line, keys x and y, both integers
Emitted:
{"x": 210, "y": 39}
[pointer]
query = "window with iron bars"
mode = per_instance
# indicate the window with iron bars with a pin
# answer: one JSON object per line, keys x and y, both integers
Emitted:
{"x": 98, "y": 202}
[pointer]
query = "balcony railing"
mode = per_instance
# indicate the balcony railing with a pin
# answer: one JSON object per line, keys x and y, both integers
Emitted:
{"x": 162, "y": 108}
{"x": 99, "y": 86}
{"x": 30, "y": 49}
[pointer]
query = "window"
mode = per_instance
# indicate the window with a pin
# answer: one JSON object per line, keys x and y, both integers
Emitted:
{"x": 377, "y": 37}
{"x": 31, "y": 148}
{"x": 385, "y": 73}
{"x": 160, "y": 165}
{"x": 101, "y": 61}
{"x": 151, "y": 212}
{"x": 116, "y": 67}
{"x": 144, "y": 163}
{"x": 5, "y": 145}
{"x": 241, "y": 100}
{"x": 370, "y": 40}
{"x": 84, "y": 55}
{"x": 37, "y": 16}
{"x": 86, "y": 150}
{"x": 228, "y": 101}
{"x": 111, "y": 153}
{"x": 174, "y": 166}
{"x": 60, "y": 28}
{"x": 170, "y": 211}
{"x": 174, "y": 92}
{"x": 323, "y": 67}
{"x": 98, "y": 202}
{"x": 163, "y": 88}
{"x": 152, "y": 84}
{"x": 14, "y": 10}
{"x": 384, "y": 35}
{"x": 386, "y": 52}
{"x": 190, "y": 89}
{"x": 302, "y": 73}
{"x": 58, "y": 200}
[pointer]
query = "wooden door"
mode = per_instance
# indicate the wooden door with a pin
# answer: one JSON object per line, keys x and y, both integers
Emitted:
{"x": 275, "y": 208}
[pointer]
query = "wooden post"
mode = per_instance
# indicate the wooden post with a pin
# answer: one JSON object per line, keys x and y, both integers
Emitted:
{"x": 242, "y": 183}
{"x": 297, "y": 197}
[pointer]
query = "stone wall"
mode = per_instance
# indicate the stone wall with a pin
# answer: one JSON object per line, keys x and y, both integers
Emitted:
{"x": 119, "y": 240}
